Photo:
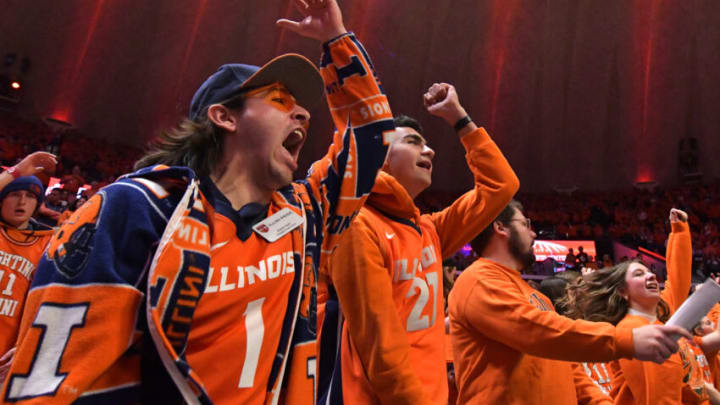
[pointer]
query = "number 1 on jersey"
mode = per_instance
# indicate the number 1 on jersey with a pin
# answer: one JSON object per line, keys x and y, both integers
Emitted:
{"x": 255, "y": 331}
{"x": 8, "y": 289}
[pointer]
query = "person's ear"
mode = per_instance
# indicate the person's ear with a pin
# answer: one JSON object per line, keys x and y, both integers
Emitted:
{"x": 622, "y": 291}
{"x": 221, "y": 116}
{"x": 501, "y": 228}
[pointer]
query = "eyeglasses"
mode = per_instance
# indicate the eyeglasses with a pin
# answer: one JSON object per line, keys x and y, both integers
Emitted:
{"x": 525, "y": 221}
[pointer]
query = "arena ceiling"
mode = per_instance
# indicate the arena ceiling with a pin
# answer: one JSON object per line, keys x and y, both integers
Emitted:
{"x": 594, "y": 94}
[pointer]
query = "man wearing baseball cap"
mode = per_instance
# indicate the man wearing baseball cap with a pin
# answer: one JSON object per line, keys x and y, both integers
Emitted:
{"x": 22, "y": 242}
{"x": 193, "y": 280}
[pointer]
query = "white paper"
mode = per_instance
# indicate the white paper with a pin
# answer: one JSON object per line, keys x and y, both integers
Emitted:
{"x": 696, "y": 306}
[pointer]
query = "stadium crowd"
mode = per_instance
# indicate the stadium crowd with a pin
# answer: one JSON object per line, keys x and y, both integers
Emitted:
{"x": 632, "y": 217}
{"x": 208, "y": 275}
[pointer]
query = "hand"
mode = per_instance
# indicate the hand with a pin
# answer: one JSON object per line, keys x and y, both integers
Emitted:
{"x": 441, "y": 100}
{"x": 677, "y": 215}
{"x": 712, "y": 393}
{"x": 586, "y": 270}
{"x": 5, "y": 363}
{"x": 657, "y": 342}
{"x": 37, "y": 162}
{"x": 322, "y": 20}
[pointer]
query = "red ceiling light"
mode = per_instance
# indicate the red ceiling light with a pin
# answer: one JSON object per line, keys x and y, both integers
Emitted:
{"x": 15, "y": 85}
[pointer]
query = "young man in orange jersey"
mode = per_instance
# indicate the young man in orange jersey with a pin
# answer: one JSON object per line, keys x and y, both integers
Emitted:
{"x": 388, "y": 272}
{"x": 193, "y": 280}
{"x": 509, "y": 345}
{"x": 22, "y": 242}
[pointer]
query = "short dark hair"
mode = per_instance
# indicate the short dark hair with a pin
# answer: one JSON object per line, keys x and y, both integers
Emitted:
{"x": 483, "y": 239}
{"x": 405, "y": 121}
{"x": 554, "y": 288}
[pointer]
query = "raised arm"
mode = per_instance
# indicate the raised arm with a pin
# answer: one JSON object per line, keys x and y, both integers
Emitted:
{"x": 679, "y": 261}
{"x": 495, "y": 181}
{"x": 32, "y": 164}
{"x": 322, "y": 20}
{"x": 341, "y": 181}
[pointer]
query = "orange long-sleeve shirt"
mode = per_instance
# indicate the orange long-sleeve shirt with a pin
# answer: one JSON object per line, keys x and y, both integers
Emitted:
{"x": 388, "y": 277}
{"x": 679, "y": 380}
{"x": 509, "y": 344}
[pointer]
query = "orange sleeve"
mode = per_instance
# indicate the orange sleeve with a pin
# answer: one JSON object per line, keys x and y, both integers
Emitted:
{"x": 679, "y": 266}
{"x": 343, "y": 178}
{"x": 364, "y": 289}
{"x": 495, "y": 185}
{"x": 496, "y": 308}
{"x": 587, "y": 392}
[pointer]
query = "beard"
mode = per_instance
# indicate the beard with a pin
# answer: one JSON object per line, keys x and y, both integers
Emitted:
{"x": 526, "y": 256}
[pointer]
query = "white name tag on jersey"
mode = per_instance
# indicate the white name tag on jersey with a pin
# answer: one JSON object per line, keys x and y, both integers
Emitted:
{"x": 278, "y": 224}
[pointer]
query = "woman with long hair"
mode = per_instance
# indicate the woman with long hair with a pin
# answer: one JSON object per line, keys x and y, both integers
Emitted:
{"x": 628, "y": 294}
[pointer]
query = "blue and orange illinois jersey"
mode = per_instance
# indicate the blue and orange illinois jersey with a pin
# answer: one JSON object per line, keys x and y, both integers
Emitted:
{"x": 80, "y": 332}
{"x": 244, "y": 309}
{"x": 20, "y": 252}
{"x": 160, "y": 292}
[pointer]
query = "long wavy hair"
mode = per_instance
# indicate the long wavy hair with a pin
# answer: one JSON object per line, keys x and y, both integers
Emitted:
{"x": 598, "y": 296}
{"x": 197, "y": 144}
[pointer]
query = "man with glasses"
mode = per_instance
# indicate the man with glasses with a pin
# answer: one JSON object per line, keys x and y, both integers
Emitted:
{"x": 193, "y": 280}
{"x": 387, "y": 272}
{"x": 510, "y": 346}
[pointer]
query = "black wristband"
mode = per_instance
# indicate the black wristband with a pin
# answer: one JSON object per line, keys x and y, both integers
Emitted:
{"x": 462, "y": 123}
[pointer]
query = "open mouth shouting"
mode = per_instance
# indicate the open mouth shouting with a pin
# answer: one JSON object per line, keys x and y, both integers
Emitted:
{"x": 425, "y": 164}
{"x": 652, "y": 286}
{"x": 294, "y": 142}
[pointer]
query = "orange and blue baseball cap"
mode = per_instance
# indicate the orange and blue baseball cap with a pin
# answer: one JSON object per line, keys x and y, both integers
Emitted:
{"x": 29, "y": 183}
{"x": 294, "y": 71}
